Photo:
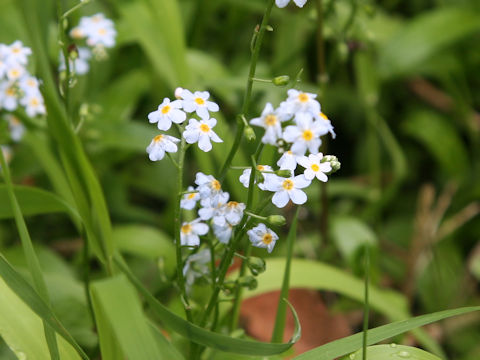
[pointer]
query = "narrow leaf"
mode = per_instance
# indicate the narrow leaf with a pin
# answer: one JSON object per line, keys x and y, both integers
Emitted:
{"x": 393, "y": 351}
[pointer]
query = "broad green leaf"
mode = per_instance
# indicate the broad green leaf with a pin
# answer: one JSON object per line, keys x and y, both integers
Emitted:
{"x": 22, "y": 329}
{"x": 21, "y": 288}
{"x": 204, "y": 337}
{"x": 420, "y": 39}
{"x": 34, "y": 201}
{"x": 115, "y": 301}
{"x": 441, "y": 139}
{"x": 147, "y": 242}
{"x": 351, "y": 343}
{"x": 392, "y": 352}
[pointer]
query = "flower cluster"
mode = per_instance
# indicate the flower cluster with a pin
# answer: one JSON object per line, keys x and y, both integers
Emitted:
{"x": 215, "y": 208}
{"x": 305, "y": 124}
{"x": 197, "y": 131}
{"x": 17, "y": 86}
{"x": 99, "y": 33}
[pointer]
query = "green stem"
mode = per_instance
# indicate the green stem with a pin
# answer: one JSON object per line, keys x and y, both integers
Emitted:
{"x": 178, "y": 225}
{"x": 366, "y": 304}
{"x": 239, "y": 291}
{"x": 280, "y": 319}
{"x": 65, "y": 87}
{"x": 73, "y": 9}
{"x": 248, "y": 89}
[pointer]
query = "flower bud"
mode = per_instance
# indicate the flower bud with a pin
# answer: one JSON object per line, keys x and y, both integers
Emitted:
{"x": 256, "y": 265}
{"x": 278, "y": 220}
{"x": 249, "y": 133}
{"x": 248, "y": 281}
{"x": 281, "y": 80}
{"x": 284, "y": 173}
{"x": 334, "y": 163}
{"x": 72, "y": 52}
{"x": 178, "y": 92}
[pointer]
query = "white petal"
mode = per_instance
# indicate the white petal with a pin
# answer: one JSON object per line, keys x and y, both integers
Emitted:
{"x": 200, "y": 228}
{"x": 301, "y": 182}
{"x": 178, "y": 116}
{"x": 322, "y": 177}
{"x": 298, "y": 196}
{"x": 214, "y": 137}
{"x": 191, "y": 136}
{"x": 309, "y": 174}
{"x": 280, "y": 199}
{"x": 203, "y": 112}
{"x": 204, "y": 143}
{"x": 304, "y": 161}
{"x": 164, "y": 123}
{"x": 211, "y": 106}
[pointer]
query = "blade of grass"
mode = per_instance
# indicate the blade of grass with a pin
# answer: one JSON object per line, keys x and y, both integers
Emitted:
{"x": 32, "y": 260}
{"x": 352, "y": 343}
{"x": 277, "y": 335}
{"x": 382, "y": 352}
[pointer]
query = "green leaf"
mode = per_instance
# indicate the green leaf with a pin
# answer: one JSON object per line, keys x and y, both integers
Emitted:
{"x": 29, "y": 296}
{"x": 419, "y": 40}
{"x": 115, "y": 302}
{"x": 393, "y": 352}
{"x": 23, "y": 331}
{"x": 33, "y": 201}
{"x": 204, "y": 337}
{"x": 351, "y": 343}
{"x": 441, "y": 139}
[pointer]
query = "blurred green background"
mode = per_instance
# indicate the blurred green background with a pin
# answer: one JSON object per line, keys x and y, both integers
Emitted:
{"x": 400, "y": 82}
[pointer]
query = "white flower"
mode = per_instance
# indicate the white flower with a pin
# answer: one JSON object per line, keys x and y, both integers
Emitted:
{"x": 323, "y": 119}
{"x": 288, "y": 161}
{"x": 202, "y": 132}
{"x": 178, "y": 93}
{"x": 305, "y": 135}
{"x": 245, "y": 177}
{"x": 189, "y": 200}
{"x": 223, "y": 233}
{"x": 167, "y": 112}
{"x": 17, "y": 53}
{"x": 33, "y": 104}
{"x": 208, "y": 186}
{"x": 161, "y": 144}
{"x": 15, "y": 72}
{"x": 29, "y": 85}
{"x": 16, "y": 128}
{"x": 300, "y": 102}
{"x": 314, "y": 167}
{"x": 198, "y": 102}
{"x": 287, "y": 189}
{"x": 262, "y": 237}
{"x": 98, "y": 30}
{"x": 213, "y": 208}
{"x": 196, "y": 266}
{"x": 3, "y": 60}
{"x": 234, "y": 212}
{"x": 8, "y": 96}
{"x": 190, "y": 231}
{"x": 80, "y": 65}
{"x": 270, "y": 120}
{"x": 283, "y": 3}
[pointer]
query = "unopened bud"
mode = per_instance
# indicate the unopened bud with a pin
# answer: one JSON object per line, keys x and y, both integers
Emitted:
{"x": 284, "y": 173}
{"x": 72, "y": 51}
{"x": 256, "y": 265}
{"x": 269, "y": 28}
{"x": 178, "y": 92}
{"x": 249, "y": 133}
{"x": 281, "y": 80}
{"x": 248, "y": 281}
{"x": 278, "y": 220}
{"x": 334, "y": 163}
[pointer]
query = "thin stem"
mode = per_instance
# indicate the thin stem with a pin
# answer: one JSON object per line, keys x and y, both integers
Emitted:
{"x": 239, "y": 290}
{"x": 262, "y": 80}
{"x": 366, "y": 305}
{"x": 248, "y": 89}
{"x": 178, "y": 224}
{"x": 65, "y": 88}
{"x": 73, "y": 9}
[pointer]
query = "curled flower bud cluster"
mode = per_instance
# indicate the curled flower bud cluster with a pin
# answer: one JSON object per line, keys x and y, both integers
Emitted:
{"x": 305, "y": 125}
{"x": 17, "y": 86}
{"x": 99, "y": 33}
{"x": 223, "y": 215}
{"x": 198, "y": 130}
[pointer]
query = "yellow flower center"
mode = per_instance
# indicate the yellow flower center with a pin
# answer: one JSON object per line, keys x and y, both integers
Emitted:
{"x": 31, "y": 83}
{"x": 289, "y": 152}
{"x": 14, "y": 73}
{"x": 199, "y": 101}
{"x": 186, "y": 229}
{"x": 205, "y": 128}
{"x": 191, "y": 196}
{"x": 287, "y": 184}
{"x": 323, "y": 116}
{"x": 307, "y": 135}
{"x": 270, "y": 120}
{"x": 97, "y": 19}
{"x": 315, "y": 167}
{"x": 215, "y": 184}
{"x": 267, "y": 238}
{"x": 303, "y": 97}
{"x": 16, "y": 50}
{"x": 158, "y": 138}
{"x": 166, "y": 109}
{"x": 260, "y": 167}
{"x": 34, "y": 102}
{"x": 232, "y": 204}
{"x": 102, "y": 31}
